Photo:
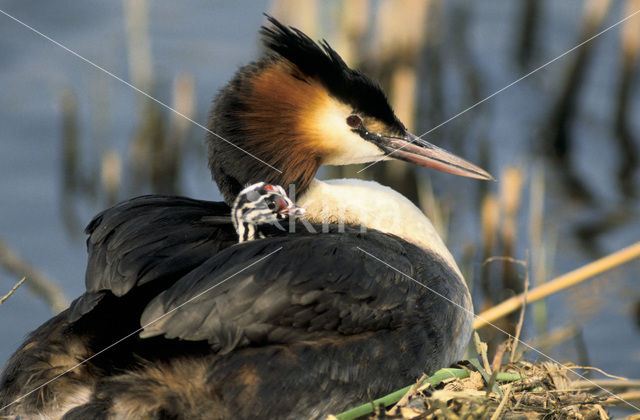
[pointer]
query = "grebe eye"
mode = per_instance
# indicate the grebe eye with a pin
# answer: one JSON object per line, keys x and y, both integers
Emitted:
{"x": 354, "y": 121}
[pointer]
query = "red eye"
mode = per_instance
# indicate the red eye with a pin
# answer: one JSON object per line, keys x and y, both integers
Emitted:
{"x": 269, "y": 187}
{"x": 281, "y": 204}
{"x": 354, "y": 121}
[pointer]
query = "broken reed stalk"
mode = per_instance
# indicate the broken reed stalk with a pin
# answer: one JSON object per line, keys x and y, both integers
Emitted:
{"x": 516, "y": 337}
{"x": 481, "y": 348}
{"x": 503, "y": 402}
{"x": 510, "y": 199}
{"x": 37, "y": 281}
{"x": 559, "y": 283}
{"x": 605, "y": 383}
{"x": 13, "y": 289}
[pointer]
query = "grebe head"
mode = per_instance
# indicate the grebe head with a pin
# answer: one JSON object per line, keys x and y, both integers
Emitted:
{"x": 300, "y": 107}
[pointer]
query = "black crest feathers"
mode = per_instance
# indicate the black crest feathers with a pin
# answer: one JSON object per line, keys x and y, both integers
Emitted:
{"x": 322, "y": 62}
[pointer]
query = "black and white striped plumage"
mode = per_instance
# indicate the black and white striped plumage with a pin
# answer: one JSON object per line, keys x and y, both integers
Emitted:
{"x": 261, "y": 206}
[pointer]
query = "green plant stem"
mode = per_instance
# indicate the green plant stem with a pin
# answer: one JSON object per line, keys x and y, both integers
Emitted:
{"x": 434, "y": 380}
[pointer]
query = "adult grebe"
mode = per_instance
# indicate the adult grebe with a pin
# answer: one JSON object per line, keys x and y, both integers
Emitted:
{"x": 290, "y": 326}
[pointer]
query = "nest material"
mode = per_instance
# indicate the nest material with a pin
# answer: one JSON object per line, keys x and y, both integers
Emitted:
{"x": 544, "y": 391}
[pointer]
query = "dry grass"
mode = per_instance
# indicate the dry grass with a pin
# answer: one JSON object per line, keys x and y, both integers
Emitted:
{"x": 545, "y": 391}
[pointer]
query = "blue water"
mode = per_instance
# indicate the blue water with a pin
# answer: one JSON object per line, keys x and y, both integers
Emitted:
{"x": 209, "y": 40}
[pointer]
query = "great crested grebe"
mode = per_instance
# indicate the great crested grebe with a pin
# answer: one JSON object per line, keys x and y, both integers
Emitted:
{"x": 295, "y": 325}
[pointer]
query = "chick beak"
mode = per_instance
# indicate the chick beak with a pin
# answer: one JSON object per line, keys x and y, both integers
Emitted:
{"x": 286, "y": 208}
{"x": 420, "y": 152}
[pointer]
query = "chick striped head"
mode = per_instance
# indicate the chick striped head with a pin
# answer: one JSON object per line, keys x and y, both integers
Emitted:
{"x": 261, "y": 206}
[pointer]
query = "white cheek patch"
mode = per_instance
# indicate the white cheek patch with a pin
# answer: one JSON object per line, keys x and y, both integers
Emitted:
{"x": 354, "y": 149}
{"x": 346, "y": 145}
